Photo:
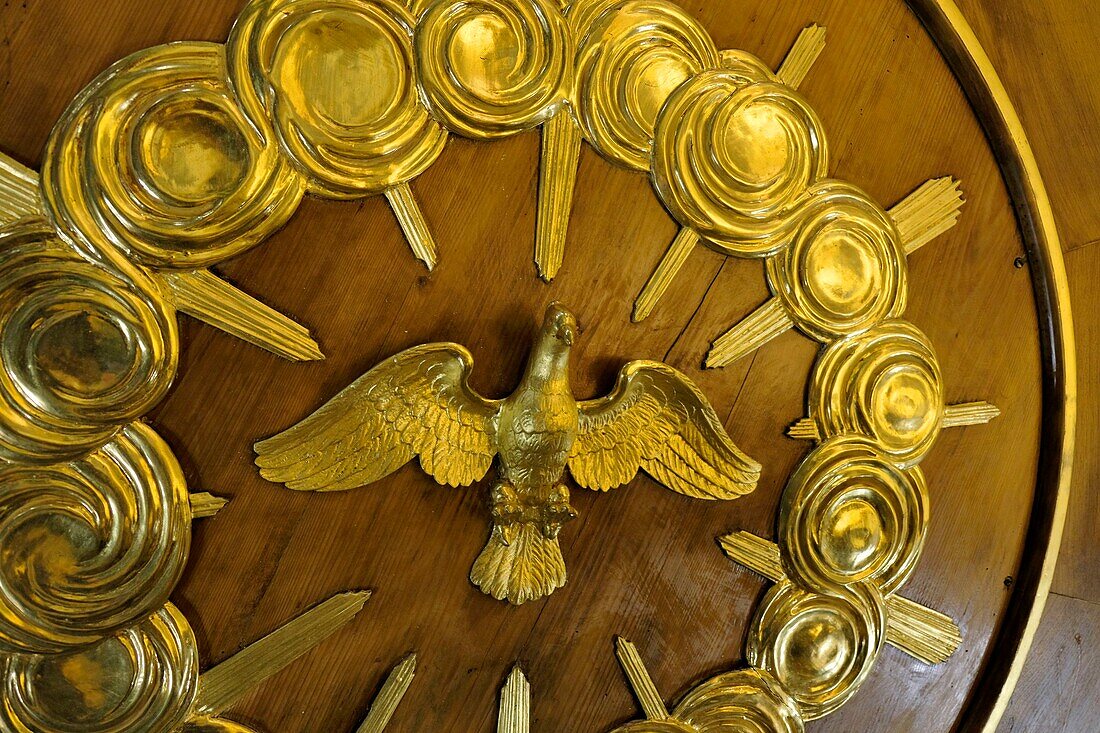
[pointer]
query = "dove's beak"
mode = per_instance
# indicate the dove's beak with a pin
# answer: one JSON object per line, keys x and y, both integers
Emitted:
{"x": 563, "y": 323}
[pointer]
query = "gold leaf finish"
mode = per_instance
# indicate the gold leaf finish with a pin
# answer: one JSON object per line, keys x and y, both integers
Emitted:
{"x": 733, "y": 156}
{"x": 561, "y": 150}
{"x": 198, "y": 293}
{"x": 90, "y": 546}
{"x": 923, "y": 633}
{"x": 156, "y": 160}
{"x": 419, "y": 403}
{"x": 845, "y": 269}
{"x": 515, "y": 704}
{"x": 336, "y": 78}
{"x": 490, "y": 68}
{"x": 838, "y": 297}
{"x": 85, "y": 349}
{"x": 631, "y": 56}
{"x": 640, "y": 682}
{"x": 802, "y": 56}
{"x": 819, "y": 647}
{"x": 222, "y": 686}
{"x": 203, "y": 295}
{"x": 740, "y": 701}
{"x": 849, "y": 514}
{"x": 884, "y": 383}
{"x": 393, "y": 689}
{"x": 144, "y": 679}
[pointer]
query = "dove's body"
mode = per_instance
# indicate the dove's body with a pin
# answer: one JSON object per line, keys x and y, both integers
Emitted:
{"x": 419, "y": 403}
{"x": 538, "y": 422}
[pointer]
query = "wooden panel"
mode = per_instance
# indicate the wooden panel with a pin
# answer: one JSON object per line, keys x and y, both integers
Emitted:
{"x": 1061, "y": 683}
{"x": 1046, "y": 54}
{"x": 642, "y": 561}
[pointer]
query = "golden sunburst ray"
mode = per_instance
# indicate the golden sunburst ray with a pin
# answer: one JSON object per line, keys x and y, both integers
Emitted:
{"x": 224, "y": 685}
{"x": 924, "y": 215}
{"x": 959, "y": 415}
{"x": 199, "y": 293}
{"x": 515, "y": 704}
{"x": 641, "y": 683}
{"x": 794, "y": 69}
{"x": 389, "y": 697}
{"x": 205, "y": 505}
{"x": 923, "y": 633}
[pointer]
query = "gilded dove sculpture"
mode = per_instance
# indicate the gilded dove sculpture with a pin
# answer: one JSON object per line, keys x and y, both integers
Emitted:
{"x": 419, "y": 403}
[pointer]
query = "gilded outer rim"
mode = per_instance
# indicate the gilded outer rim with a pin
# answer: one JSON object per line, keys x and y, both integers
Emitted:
{"x": 960, "y": 48}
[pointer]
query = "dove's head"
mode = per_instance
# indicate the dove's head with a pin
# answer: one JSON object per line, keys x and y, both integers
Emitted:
{"x": 560, "y": 324}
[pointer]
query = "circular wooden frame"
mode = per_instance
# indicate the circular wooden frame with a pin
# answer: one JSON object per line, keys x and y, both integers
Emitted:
{"x": 966, "y": 58}
{"x": 989, "y": 100}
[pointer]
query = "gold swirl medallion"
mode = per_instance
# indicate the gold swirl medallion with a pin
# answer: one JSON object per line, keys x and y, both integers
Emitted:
{"x": 742, "y": 701}
{"x": 884, "y": 383}
{"x": 820, "y": 647}
{"x": 845, "y": 269}
{"x": 631, "y": 56}
{"x": 490, "y": 68}
{"x": 849, "y": 514}
{"x": 85, "y": 349}
{"x": 337, "y": 79}
{"x": 90, "y": 546}
{"x": 144, "y": 679}
{"x": 733, "y": 158}
{"x": 156, "y": 159}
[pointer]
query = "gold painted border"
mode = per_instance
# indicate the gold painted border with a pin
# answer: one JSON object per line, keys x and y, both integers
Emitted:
{"x": 993, "y": 107}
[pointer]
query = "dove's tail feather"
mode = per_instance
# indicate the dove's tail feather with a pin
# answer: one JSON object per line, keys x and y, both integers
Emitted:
{"x": 526, "y": 569}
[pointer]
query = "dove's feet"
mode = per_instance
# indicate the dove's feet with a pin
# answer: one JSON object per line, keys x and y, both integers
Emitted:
{"x": 548, "y": 511}
{"x": 522, "y": 560}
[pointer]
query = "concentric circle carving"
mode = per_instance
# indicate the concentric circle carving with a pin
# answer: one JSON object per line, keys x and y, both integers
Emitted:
{"x": 89, "y": 547}
{"x": 734, "y": 155}
{"x": 517, "y": 85}
{"x": 84, "y": 349}
{"x": 631, "y": 56}
{"x": 743, "y": 701}
{"x": 155, "y": 159}
{"x": 337, "y": 80}
{"x": 845, "y": 268}
{"x": 820, "y": 647}
{"x": 884, "y": 383}
{"x": 144, "y": 679}
{"x": 849, "y": 514}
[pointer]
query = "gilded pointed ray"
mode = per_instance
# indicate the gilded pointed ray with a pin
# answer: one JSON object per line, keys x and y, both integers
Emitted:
{"x": 928, "y": 212}
{"x": 640, "y": 682}
{"x": 807, "y": 47}
{"x": 419, "y": 404}
{"x": 279, "y": 53}
{"x": 927, "y": 635}
{"x": 723, "y": 702}
{"x": 561, "y": 151}
{"x": 389, "y": 697}
{"x": 515, "y": 704}
{"x": 954, "y": 416}
{"x": 221, "y": 687}
{"x": 198, "y": 293}
{"x": 205, "y": 505}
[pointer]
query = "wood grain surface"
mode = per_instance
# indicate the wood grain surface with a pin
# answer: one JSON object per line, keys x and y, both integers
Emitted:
{"x": 642, "y": 561}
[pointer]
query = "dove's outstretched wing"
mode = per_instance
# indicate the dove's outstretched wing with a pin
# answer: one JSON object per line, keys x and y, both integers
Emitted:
{"x": 417, "y": 403}
{"x": 656, "y": 419}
